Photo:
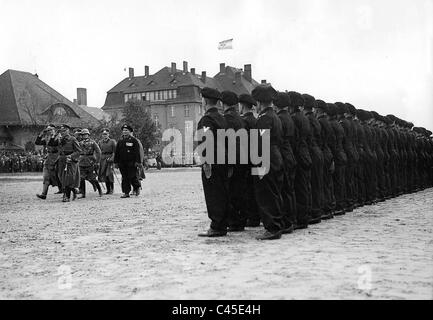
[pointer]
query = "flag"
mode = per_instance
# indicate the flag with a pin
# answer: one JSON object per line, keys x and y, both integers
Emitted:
{"x": 226, "y": 44}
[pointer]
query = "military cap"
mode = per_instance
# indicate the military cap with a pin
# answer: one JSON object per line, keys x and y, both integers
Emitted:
{"x": 282, "y": 100}
{"x": 332, "y": 109}
{"x": 248, "y": 99}
{"x": 375, "y": 115}
{"x": 309, "y": 101}
{"x": 105, "y": 131}
{"x": 126, "y": 126}
{"x": 409, "y": 124}
{"x": 210, "y": 93}
{"x": 296, "y": 99}
{"x": 416, "y": 129}
{"x": 65, "y": 126}
{"x": 229, "y": 98}
{"x": 320, "y": 104}
{"x": 341, "y": 108}
{"x": 264, "y": 93}
{"x": 351, "y": 108}
{"x": 85, "y": 131}
{"x": 391, "y": 117}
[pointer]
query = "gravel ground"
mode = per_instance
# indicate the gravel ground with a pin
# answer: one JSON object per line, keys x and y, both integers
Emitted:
{"x": 147, "y": 247}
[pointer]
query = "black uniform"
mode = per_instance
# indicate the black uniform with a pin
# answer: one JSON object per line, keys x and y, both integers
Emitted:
{"x": 127, "y": 156}
{"x": 268, "y": 188}
{"x": 289, "y": 160}
{"x": 340, "y": 161}
{"x": 251, "y": 210}
{"x": 303, "y": 169}
{"x": 216, "y": 186}
{"x": 237, "y": 186}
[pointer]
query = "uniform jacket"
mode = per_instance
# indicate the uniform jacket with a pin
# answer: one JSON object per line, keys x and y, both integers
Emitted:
{"x": 127, "y": 152}
{"x": 288, "y": 137}
{"x": 90, "y": 153}
{"x": 303, "y": 135}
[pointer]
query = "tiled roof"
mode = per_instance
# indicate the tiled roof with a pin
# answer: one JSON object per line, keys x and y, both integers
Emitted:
{"x": 24, "y": 98}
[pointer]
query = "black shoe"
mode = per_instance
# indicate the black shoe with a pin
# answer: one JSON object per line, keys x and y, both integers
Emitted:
{"x": 270, "y": 235}
{"x": 59, "y": 192}
{"x": 82, "y": 196}
{"x": 65, "y": 199}
{"x": 213, "y": 233}
{"x": 252, "y": 224}
{"x": 41, "y": 196}
{"x": 137, "y": 192}
{"x": 314, "y": 220}
{"x": 236, "y": 229}
{"x": 339, "y": 212}
{"x": 301, "y": 226}
{"x": 125, "y": 195}
{"x": 327, "y": 216}
{"x": 74, "y": 194}
{"x": 288, "y": 230}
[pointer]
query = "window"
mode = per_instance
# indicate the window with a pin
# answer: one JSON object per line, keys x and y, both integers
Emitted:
{"x": 186, "y": 111}
{"x": 165, "y": 95}
{"x": 156, "y": 119}
{"x": 174, "y": 93}
{"x": 172, "y": 111}
{"x": 143, "y": 96}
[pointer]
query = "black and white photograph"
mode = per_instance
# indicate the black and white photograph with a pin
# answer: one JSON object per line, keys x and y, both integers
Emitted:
{"x": 209, "y": 150}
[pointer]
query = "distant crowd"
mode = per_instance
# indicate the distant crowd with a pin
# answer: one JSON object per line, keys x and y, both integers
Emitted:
{"x": 12, "y": 162}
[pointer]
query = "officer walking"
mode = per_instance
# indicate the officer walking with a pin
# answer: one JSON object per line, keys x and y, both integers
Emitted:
{"x": 106, "y": 173}
{"x": 127, "y": 157}
{"x": 89, "y": 162}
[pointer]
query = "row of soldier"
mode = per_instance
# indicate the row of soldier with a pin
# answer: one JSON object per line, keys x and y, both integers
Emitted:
{"x": 12, "y": 162}
{"x": 73, "y": 159}
{"x": 326, "y": 159}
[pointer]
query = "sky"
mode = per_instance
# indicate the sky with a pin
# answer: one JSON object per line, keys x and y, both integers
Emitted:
{"x": 377, "y": 55}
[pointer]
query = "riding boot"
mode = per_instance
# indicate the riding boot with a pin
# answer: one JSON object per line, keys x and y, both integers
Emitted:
{"x": 107, "y": 185}
{"x": 98, "y": 187}
{"x": 45, "y": 187}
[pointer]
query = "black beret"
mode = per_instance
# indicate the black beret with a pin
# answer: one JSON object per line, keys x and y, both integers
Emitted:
{"x": 309, "y": 101}
{"x": 409, "y": 124}
{"x": 264, "y": 93}
{"x": 247, "y": 98}
{"x": 211, "y": 93}
{"x": 391, "y": 117}
{"x": 351, "y": 108}
{"x": 332, "y": 109}
{"x": 341, "y": 108}
{"x": 126, "y": 126}
{"x": 296, "y": 99}
{"x": 229, "y": 98}
{"x": 282, "y": 100}
{"x": 375, "y": 115}
{"x": 320, "y": 104}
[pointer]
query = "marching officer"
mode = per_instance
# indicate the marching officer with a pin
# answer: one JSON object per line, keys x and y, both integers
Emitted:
{"x": 247, "y": 104}
{"x": 213, "y": 175}
{"x": 47, "y": 139}
{"x": 106, "y": 171}
{"x": 268, "y": 185}
{"x": 89, "y": 162}
{"x": 69, "y": 154}
{"x": 127, "y": 157}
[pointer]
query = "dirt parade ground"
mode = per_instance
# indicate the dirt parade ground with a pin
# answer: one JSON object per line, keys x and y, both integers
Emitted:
{"x": 147, "y": 247}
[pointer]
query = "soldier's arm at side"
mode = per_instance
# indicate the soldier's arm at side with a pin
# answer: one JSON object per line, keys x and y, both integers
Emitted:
{"x": 96, "y": 152}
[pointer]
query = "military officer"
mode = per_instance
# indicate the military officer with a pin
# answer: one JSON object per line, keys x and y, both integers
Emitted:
{"x": 127, "y": 158}
{"x": 236, "y": 172}
{"x": 89, "y": 162}
{"x": 47, "y": 139}
{"x": 317, "y": 160}
{"x": 247, "y": 104}
{"x": 304, "y": 162}
{"x": 282, "y": 104}
{"x": 106, "y": 171}
{"x": 69, "y": 154}
{"x": 268, "y": 186}
{"x": 214, "y": 176}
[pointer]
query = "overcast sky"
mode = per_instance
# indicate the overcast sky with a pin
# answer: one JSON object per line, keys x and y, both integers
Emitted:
{"x": 378, "y": 55}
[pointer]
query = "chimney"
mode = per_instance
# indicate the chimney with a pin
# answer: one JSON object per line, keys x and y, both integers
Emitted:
{"x": 185, "y": 67}
{"x": 82, "y": 96}
{"x": 131, "y": 73}
{"x": 193, "y": 71}
{"x": 222, "y": 67}
{"x": 173, "y": 68}
{"x": 146, "y": 71}
{"x": 203, "y": 76}
{"x": 75, "y": 101}
{"x": 247, "y": 72}
{"x": 263, "y": 81}
{"x": 238, "y": 75}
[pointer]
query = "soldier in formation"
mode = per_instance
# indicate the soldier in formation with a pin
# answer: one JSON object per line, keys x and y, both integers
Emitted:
{"x": 327, "y": 159}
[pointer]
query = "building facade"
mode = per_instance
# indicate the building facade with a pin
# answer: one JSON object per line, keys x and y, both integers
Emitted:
{"x": 172, "y": 96}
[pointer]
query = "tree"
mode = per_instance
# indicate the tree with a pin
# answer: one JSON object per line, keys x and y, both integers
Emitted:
{"x": 136, "y": 115}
